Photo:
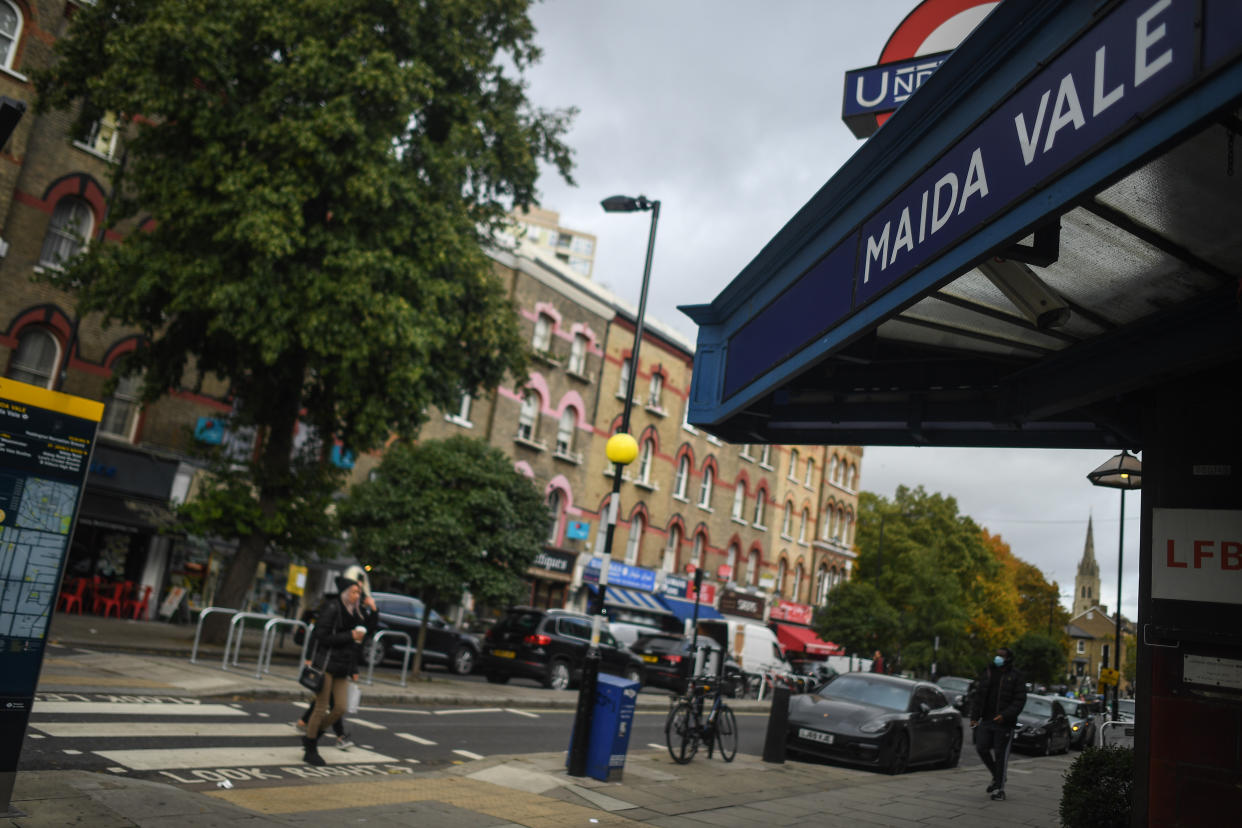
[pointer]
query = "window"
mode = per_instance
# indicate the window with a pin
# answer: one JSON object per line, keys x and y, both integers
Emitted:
{"x": 731, "y": 562}
{"x": 705, "y": 489}
{"x": 634, "y": 544}
{"x": 36, "y": 357}
{"x": 806, "y": 517}
{"x": 577, "y": 355}
{"x": 10, "y": 32}
{"x": 825, "y": 522}
{"x": 624, "y": 383}
{"x": 68, "y": 230}
{"x": 101, "y": 136}
{"x": 1082, "y": 646}
{"x": 565, "y": 432}
{"x": 739, "y": 500}
{"x": 752, "y": 568}
{"x": 787, "y": 521}
{"x": 671, "y": 551}
{"x": 847, "y": 534}
{"x": 765, "y": 457}
{"x": 821, "y": 586}
{"x": 644, "y": 461}
{"x": 655, "y": 392}
{"x": 121, "y": 409}
{"x": 799, "y": 574}
{"x": 781, "y": 570}
{"x": 555, "y": 506}
{"x": 793, "y": 464}
{"x": 543, "y": 333}
{"x": 696, "y": 557}
{"x": 760, "y": 497}
{"x": 744, "y": 453}
{"x": 685, "y": 418}
{"x": 582, "y": 245}
{"x": 810, "y": 473}
{"x": 682, "y": 479}
{"x": 462, "y": 415}
{"x": 528, "y": 416}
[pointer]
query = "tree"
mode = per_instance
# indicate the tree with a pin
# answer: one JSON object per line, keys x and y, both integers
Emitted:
{"x": 1040, "y": 657}
{"x": 447, "y": 515}
{"x": 314, "y": 182}
{"x": 858, "y": 618}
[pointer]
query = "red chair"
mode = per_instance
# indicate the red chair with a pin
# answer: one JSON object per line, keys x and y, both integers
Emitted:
{"x": 136, "y": 608}
{"x": 113, "y": 601}
{"x": 72, "y": 597}
{"x": 93, "y": 587}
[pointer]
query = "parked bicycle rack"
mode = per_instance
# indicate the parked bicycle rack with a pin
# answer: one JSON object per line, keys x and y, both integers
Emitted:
{"x": 199, "y": 629}
{"x": 236, "y": 647}
{"x": 405, "y": 659}
{"x": 1117, "y": 734}
{"x": 268, "y": 643}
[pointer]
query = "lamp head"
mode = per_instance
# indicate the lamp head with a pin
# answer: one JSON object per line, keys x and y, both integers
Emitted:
{"x": 626, "y": 204}
{"x": 621, "y": 448}
{"x": 1124, "y": 471}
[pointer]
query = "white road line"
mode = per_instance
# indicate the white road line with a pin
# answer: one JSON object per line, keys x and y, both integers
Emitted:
{"x": 467, "y": 754}
{"x": 412, "y": 738}
{"x": 118, "y": 770}
{"x": 364, "y": 723}
{"x": 654, "y": 745}
{"x": 35, "y": 736}
{"x": 134, "y": 709}
{"x": 269, "y": 715}
{"x": 233, "y": 757}
{"x": 72, "y": 752}
{"x": 106, "y": 730}
{"x": 456, "y": 711}
{"x": 413, "y": 761}
{"x": 394, "y": 710}
{"x": 522, "y": 713}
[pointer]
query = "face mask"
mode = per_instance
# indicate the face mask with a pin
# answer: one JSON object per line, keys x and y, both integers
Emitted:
{"x": 998, "y": 661}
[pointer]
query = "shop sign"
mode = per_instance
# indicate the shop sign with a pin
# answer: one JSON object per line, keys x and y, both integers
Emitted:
{"x": 1197, "y": 555}
{"x": 554, "y": 561}
{"x": 794, "y": 613}
{"x": 622, "y": 575}
{"x": 295, "y": 583}
{"x": 578, "y": 530}
{"x": 724, "y": 572}
{"x": 740, "y": 603}
{"x": 767, "y": 580}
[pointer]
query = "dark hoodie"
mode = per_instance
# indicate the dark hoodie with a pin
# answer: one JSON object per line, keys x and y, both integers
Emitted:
{"x": 998, "y": 690}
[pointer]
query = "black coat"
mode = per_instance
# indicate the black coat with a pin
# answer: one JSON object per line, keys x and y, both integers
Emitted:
{"x": 1010, "y": 695}
{"x": 334, "y": 627}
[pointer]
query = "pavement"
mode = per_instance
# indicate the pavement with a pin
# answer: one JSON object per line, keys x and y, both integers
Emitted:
{"x": 95, "y": 655}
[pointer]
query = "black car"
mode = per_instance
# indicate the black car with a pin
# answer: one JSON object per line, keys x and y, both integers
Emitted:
{"x": 1043, "y": 727}
{"x": 549, "y": 646}
{"x": 958, "y": 690}
{"x": 1082, "y": 722}
{"x": 876, "y": 720}
{"x": 456, "y": 650}
{"x": 669, "y": 660}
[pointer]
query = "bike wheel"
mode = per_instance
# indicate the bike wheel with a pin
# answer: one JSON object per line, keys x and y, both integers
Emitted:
{"x": 681, "y": 733}
{"x": 726, "y": 733}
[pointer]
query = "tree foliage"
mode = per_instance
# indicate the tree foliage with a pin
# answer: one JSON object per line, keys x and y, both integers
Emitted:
{"x": 314, "y": 182}
{"x": 1040, "y": 656}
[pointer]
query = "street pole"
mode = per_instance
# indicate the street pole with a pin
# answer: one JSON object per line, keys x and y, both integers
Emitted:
{"x": 585, "y": 711}
{"x": 1121, "y": 539}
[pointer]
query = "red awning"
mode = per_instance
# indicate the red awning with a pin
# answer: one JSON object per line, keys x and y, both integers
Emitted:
{"x": 803, "y": 640}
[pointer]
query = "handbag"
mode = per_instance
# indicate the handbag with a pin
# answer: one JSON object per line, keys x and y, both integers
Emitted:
{"x": 354, "y": 698}
{"x": 311, "y": 677}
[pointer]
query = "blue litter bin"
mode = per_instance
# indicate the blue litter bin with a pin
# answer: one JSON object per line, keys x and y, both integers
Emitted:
{"x": 611, "y": 722}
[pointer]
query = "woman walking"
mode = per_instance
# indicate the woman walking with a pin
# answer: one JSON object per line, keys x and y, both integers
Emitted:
{"x": 340, "y": 629}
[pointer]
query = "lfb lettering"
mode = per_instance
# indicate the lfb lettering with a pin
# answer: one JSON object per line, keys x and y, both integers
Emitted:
{"x": 1205, "y": 554}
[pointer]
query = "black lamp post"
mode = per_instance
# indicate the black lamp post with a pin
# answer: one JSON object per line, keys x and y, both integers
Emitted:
{"x": 1123, "y": 471}
{"x": 621, "y": 450}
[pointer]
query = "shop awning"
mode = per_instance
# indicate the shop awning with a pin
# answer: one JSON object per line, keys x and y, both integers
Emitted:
{"x": 124, "y": 513}
{"x": 802, "y": 640}
{"x": 632, "y": 599}
{"x": 685, "y": 609}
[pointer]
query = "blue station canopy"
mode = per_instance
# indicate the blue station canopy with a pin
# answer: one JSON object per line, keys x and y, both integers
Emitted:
{"x": 685, "y": 609}
{"x": 632, "y": 599}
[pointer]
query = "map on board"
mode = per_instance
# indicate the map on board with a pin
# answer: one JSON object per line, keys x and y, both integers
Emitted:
{"x": 32, "y": 544}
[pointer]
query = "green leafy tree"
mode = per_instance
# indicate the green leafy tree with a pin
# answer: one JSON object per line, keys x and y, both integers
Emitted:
{"x": 858, "y": 618}
{"x": 446, "y": 515}
{"x": 314, "y": 183}
{"x": 1040, "y": 657}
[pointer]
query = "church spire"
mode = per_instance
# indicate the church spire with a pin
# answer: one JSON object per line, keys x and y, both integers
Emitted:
{"x": 1087, "y": 566}
{"x": 1087, "y": 582}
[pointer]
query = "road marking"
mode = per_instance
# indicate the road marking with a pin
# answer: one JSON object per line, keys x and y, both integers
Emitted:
{"x": 264, "y": 715}
{"x": 468, "y": 710}
{"x": 232, "y": 757}
{"x": 1019, "y": 770}
{"x": 35, "y": 736}
{"x": 364, "y": 723}
{"x": 72, "y": 752}
{"x": 118, "y": 770}
{"x": 105, "y": 730}
{"x": 411, "y": 737}
{"x": 467, "y": 754}
{"x": 394, "y": 710}
{"x": 522, "y": 713}
{"x": 654, "y": 745}
{"x": 134, "y": 709}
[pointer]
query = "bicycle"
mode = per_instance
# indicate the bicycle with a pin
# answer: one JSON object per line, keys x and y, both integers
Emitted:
{"x": 686, "y": 727}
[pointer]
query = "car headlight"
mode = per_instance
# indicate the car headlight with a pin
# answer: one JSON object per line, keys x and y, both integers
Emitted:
{"x": 1076, "y": 727}
{"x": 875, "y": 725}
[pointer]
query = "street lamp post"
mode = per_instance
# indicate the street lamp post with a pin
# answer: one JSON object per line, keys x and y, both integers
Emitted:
{"x": 621, "y": 449}
{"x": 1124, "y": 471}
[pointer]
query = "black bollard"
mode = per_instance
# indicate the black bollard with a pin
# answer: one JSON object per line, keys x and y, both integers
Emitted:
{"x": 778, "y": 723}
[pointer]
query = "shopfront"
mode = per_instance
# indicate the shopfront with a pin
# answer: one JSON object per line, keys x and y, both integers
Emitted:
{"x": 1040, "y": 249}
{"x": 791, "y": 622}
{"x": 550, "y": 577}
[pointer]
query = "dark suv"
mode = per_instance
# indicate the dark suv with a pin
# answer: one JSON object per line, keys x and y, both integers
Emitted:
{"x": 456, "y": 650}
{"x": 667, "y": 655}
{"x": 549, "y": 646}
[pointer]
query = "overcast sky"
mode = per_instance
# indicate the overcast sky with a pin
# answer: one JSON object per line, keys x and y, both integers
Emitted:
{"x": 729, "y": 113}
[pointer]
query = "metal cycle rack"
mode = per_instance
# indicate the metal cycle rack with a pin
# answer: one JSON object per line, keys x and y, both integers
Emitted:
{"x": 405, "y": 660}
{"x": 199, "y": 629}
{"x": 1117, "y": 734}
{"x": 236, "y": 647}
{"x": 268, "y": 643}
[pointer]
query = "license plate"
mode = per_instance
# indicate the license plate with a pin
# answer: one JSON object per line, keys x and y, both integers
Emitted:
{"x": 815, "y": 735}
{"x": 504, "y": 653}
{"x": 651, "y": 658}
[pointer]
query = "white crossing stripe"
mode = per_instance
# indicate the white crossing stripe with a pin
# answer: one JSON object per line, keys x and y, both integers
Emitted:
{"x": 365, "y": 709}
{"x": 522, "y": 713}
{"x": 233, "y": 757}
{"x": 455, "y": 711}
{"x": 411, "y": 737}
{"x": 654, "y": 745}
{"x": 101, "y": 730}
{"x": 134, "y": 709}
{"x": 72, "y": 752}
{"x": 364, "y": 723}
{"x": 467, "y": 754}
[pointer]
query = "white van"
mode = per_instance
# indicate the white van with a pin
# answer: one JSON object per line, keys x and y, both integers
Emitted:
{"x": 751, "y": 644}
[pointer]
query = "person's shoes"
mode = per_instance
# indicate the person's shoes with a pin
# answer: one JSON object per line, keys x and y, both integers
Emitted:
{"x": 999, "y": 794}
{"x": 993, "y": 786}
{"x": 310, "y": 752}
{"x": 343, "y": 742}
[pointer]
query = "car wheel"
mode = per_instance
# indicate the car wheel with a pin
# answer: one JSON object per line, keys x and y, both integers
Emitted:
{"x": 633, "y": 674}
{"x": 497, "y": 678}
{"x": 375, "y": 653}
{"x": 462, "y": 662}
{"x": 955, "y": 751}
{"x": 558, "y": 675}
{"x": 901, "y": 754}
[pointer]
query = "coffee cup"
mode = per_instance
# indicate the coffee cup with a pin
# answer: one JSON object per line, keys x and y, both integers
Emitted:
{"x": 360, "y": 629}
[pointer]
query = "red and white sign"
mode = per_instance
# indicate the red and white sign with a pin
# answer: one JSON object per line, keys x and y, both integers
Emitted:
{"x": 724, "y": 572}
{"x": 793, "y": 613}
{"x": 1197, "y": 555}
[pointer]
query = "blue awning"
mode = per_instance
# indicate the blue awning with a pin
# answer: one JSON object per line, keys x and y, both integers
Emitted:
{"x": 685, "y": 609}
{"x": 632, "y": 599}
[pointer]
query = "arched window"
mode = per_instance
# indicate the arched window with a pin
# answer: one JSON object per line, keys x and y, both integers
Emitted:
{"x": 683, "y": 477}
{"x": 556, "y": 508}
{"x": 752, "y": 568}
{"x": 669, "y": 564}
{"x": 10, "y": 32}
{"x": 765, "y": 456}
{"x": 120, "y": 417}
{"x": 760, "y": 497}
{"x": 834, "y": 469}
{"x": 848, "y": 535}
{"x": 68, "y": 230}
{"x": 739, "y": 499}
{"x": 806, "y": 516}
{"x": 565, "y": 432}
{"x": 781, "y": 569}
{"x": 821, "y": 585}
{"x": 577, "y": 355}
{"x": 644, "y": 461}
{"x": 528, "y": 417}
{"x": 543, "y": 333}
{"x": 810, "y": 473}
{"x": 35, "y": 359}
{"x": 633, "y": 546}
{"x": 731, "y": 562}
{"x": 799, "y": 574}
{"x": 705, "y": 489}
{"x": 787, "y": 520}
{"x": 696, "y": 555}
{"x": 655, "y": 391}
{"x": 793, "y": 464}
{"x": 624, "y": 383}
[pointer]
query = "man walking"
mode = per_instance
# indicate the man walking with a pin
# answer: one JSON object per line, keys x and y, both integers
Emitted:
{"x": 999, "y": 696}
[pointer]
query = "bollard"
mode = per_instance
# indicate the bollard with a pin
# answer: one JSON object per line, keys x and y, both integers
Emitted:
{"x": 778, "y": 723}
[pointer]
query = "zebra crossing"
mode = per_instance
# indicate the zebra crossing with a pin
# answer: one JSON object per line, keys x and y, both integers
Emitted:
{"x": 186, "y": 741}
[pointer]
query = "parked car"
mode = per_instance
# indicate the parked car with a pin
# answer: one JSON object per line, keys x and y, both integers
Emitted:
{"x": 1082, "y": 723}
{"x": 876, "y": 720}
{"x": 549, "y": 646}
{"x": 456, "y": 650}
{"x": 1043, "y": 727}
{"x": 627, "y": 633}
{"x": 666, "y": 655}
{"x": 958, "y": 690}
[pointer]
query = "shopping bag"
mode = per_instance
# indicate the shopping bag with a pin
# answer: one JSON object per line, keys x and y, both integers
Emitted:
{"x": 311, "y": 678}
{"x": 354, "y": 698}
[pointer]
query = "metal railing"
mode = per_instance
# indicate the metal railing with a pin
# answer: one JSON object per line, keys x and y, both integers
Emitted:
{"x": 1117, "y": 734}
{"x": 236, "y": 634}
{"x": 378, "y": 652}
{"x": 268, "y": 642}
{"x": 198, "y": 631}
